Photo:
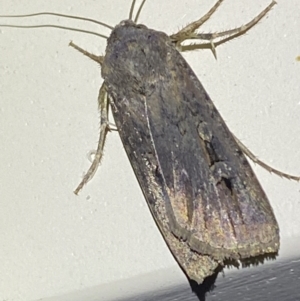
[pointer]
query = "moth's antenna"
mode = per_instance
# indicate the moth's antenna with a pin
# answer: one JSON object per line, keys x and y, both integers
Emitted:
{"x": 58, "y": 15}
{"x": 56, "y": 26}
{"x": 131, "y": 9}
{"x": 139, "y": 11}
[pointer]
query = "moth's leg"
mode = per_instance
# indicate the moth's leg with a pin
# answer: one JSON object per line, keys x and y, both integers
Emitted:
{"x": 188, "y": 32}
{"x": 97, "y": 58}
{"x": 269, "y": 168}
{"x": 104, "y": 128}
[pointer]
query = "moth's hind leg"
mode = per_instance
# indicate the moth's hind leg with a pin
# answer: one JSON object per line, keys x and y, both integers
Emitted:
{"x": 267, "y": 167}
{"x": 97, "y": 58}
{"x": 189, "y": 31}
{"x": 104, "y": 128}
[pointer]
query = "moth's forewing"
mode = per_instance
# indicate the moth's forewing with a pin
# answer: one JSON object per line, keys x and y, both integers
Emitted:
{"x": 198, "y": 184}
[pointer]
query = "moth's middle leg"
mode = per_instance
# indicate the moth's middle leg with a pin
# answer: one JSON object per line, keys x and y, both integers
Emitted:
{"x": 104, "y": 128}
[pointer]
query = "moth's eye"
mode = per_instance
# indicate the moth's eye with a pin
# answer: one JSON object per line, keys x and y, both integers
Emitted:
{"x": 141, "y": 26}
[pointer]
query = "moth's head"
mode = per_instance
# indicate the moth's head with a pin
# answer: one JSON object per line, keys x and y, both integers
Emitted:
{"x": 126, "y": 28}
{"x": 129, "y": 23}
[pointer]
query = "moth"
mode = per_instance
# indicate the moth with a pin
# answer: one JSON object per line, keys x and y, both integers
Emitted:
{"x": 198, "y": 184}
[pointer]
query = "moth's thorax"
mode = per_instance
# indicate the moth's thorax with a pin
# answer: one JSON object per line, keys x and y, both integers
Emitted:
{"x": 135, "y": 52}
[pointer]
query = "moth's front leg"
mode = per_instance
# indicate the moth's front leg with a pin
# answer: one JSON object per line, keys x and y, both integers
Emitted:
{"x": 189, "y": 31}
{"x": 97, "y": 58}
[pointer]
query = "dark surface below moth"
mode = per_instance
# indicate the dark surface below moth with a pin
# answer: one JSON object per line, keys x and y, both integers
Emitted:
{"x": 264, "y": 283}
